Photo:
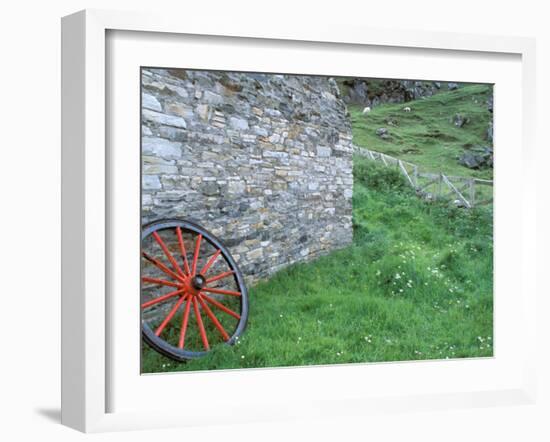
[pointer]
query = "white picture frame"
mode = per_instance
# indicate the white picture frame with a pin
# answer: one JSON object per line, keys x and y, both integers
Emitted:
{"x": 87, "y": 213}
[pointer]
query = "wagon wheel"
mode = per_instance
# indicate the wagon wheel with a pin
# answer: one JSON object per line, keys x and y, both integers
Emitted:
{"x": 193, "y": 295}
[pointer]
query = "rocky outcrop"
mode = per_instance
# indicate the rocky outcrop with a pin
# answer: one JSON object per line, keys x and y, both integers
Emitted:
{"x": 262, "y": 161}
{"x": 382, "y": 132}
{"x": 372, "y": 92}
{"x": 459, "y": 120}
{"x": 477, "y": 158}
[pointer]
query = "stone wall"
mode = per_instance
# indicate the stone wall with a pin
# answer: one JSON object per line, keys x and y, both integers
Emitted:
{"x": 262, "y": 161}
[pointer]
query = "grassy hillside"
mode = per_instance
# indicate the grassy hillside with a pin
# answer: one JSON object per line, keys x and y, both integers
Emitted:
{"x": 426, "y": 136}
{"x": 415, "y": 284}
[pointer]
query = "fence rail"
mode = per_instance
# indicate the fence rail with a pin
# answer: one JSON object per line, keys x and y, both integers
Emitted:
{"x": 465, "y": 191}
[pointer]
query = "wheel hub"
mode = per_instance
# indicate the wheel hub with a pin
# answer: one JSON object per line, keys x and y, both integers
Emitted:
{"x": 198, "y": 282}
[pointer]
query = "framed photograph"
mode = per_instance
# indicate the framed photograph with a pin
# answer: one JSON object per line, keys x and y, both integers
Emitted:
{"x": 293, "y": 222}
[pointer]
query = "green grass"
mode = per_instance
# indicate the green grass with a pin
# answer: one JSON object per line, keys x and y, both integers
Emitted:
{"x": 426, "y": 136}
{"x": 415, "y": 284}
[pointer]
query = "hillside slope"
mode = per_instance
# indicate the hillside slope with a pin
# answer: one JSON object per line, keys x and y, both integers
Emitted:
{"x": 427, "y": 135}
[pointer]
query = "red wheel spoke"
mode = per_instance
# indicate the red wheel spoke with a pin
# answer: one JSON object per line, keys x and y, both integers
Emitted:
{"x": 221, "y": 292}
{"x": 185, "y": 320}
{"x": 182, "y": 250}
{"x": 213, "y": 318}
{"x": 222, "y": 307}
{"x": 210, "y": 262}
{"x": 161, "y": 266}
{"x": 196, "y": 254}
{"x": 200, "y": 324}
{"x": 159, "y": 281}
{"x": 170, "y": 315}
{"x": 220, "y": 276}
{"x": 168, "y": 254}
{"x": 162, "y": 298}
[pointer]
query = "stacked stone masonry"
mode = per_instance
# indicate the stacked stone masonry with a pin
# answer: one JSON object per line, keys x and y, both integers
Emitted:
{"x": 262, "y": 161}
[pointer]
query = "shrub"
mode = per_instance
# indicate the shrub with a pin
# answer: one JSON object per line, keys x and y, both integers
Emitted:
{"x": 377, "y": 176}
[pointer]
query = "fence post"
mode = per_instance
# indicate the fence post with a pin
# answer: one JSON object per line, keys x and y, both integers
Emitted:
{"x": 472, "y": 192}
{"x": 403, "y": 171}
{"x": 415, "y": 177}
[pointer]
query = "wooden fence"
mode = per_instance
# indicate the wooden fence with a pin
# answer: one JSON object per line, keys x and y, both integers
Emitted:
{"x": 465, "y": 191}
